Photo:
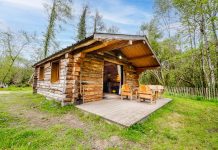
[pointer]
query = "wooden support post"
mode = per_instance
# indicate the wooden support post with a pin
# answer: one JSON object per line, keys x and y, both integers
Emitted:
{"x": 35, "y": 79}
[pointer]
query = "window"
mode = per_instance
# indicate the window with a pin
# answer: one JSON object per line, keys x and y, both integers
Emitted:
{"x": 41, "y": 73}
{"x": 55, "y": 67}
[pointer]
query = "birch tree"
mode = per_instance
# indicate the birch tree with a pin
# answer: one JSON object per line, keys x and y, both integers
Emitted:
{"x": 198, "y": 12}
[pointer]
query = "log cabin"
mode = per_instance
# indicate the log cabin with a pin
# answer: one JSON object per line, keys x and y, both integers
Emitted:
{"x": 89, "y": 69}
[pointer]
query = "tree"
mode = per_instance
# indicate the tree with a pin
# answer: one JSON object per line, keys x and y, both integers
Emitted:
{"x": 197, "y": 12}
{"x": 154, "y": 34}
{"x": 212, "y": 7}
{"x": 99, "y": 25}
{"x": 13, "y": 44}
{"x": 82, "y": 24}
{"x": 188, "y": 55}
{"x": 163, "y": 10}
{"x": 113, "y": 29}
{"x": 59, "y": 11}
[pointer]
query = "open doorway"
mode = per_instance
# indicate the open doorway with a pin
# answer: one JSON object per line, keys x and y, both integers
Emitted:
{"x": 113, "y": 79}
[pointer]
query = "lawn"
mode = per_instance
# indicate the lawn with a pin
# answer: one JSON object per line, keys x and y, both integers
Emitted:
{"x": 29, "y": 121}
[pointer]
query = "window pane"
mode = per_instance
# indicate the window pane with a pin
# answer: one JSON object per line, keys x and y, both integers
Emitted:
{"x": 55, "y": 72}
{"x": 41, "y": 73}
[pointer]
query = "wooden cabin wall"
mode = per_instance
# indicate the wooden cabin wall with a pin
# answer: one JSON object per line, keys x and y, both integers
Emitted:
{"x": 92, "y": 75}
{"x": 64, "y": 89}
{"x": 131, "y": 76}
{"x": 89, "y": 67}
{"x": 48, "y": 89}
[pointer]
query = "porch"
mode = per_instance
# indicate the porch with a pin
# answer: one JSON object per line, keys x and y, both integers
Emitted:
{"x": 123, "y": 112}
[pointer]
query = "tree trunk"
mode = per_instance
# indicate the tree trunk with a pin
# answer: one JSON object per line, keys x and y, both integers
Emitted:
{"x": 212, "y": 13}
{"x": 216, "y": 44}
{"x": 9, "y": 70}
{"x": 206, "y": 44}
{"x": 202, "y": 31}
{"x": 210, "y": 64}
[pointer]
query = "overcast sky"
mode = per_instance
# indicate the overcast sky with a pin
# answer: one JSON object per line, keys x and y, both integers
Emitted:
{"x": 29, "y": 15}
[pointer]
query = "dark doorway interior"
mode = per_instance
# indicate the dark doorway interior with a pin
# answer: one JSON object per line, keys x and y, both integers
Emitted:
{"x": 111, "y": 78}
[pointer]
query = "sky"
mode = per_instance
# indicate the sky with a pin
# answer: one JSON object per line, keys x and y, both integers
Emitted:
{"x": 30, "y": 16}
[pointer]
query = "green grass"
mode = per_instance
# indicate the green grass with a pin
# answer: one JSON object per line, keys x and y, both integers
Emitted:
{"x": 194, "y": 97}
{"x": 15, "y": 88}
{"x": 184, "y": 123}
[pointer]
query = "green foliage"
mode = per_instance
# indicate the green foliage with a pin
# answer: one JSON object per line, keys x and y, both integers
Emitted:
{"x": 19, "y": 73}
{"x": 182, "y": 55}
{"x": 148, "y": 78}
{"x": 14, "y": 68}
{"x": 82, "y": 24}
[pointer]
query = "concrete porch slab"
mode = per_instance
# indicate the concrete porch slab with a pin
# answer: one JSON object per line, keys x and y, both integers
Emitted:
{"x": 123, "y": 112}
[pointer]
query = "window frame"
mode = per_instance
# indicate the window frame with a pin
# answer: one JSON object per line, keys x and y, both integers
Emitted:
{"x": 56, "y": 62}
{"x": 41, "y": 73}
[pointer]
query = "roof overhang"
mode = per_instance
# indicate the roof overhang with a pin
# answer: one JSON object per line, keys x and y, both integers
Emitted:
{"x": 135, "y": 48}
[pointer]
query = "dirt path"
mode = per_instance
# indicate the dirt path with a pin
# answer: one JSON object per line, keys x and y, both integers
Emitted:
{"x": 37, "y": 118}
{"x": 4, "y": 92}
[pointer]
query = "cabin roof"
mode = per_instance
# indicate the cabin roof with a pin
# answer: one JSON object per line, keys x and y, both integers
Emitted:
{"x": 135, "y": 48}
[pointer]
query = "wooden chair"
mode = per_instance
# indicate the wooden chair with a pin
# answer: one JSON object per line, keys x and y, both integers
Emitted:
{"x": 126, "y": 90}
{"x": 145, "y": 92}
